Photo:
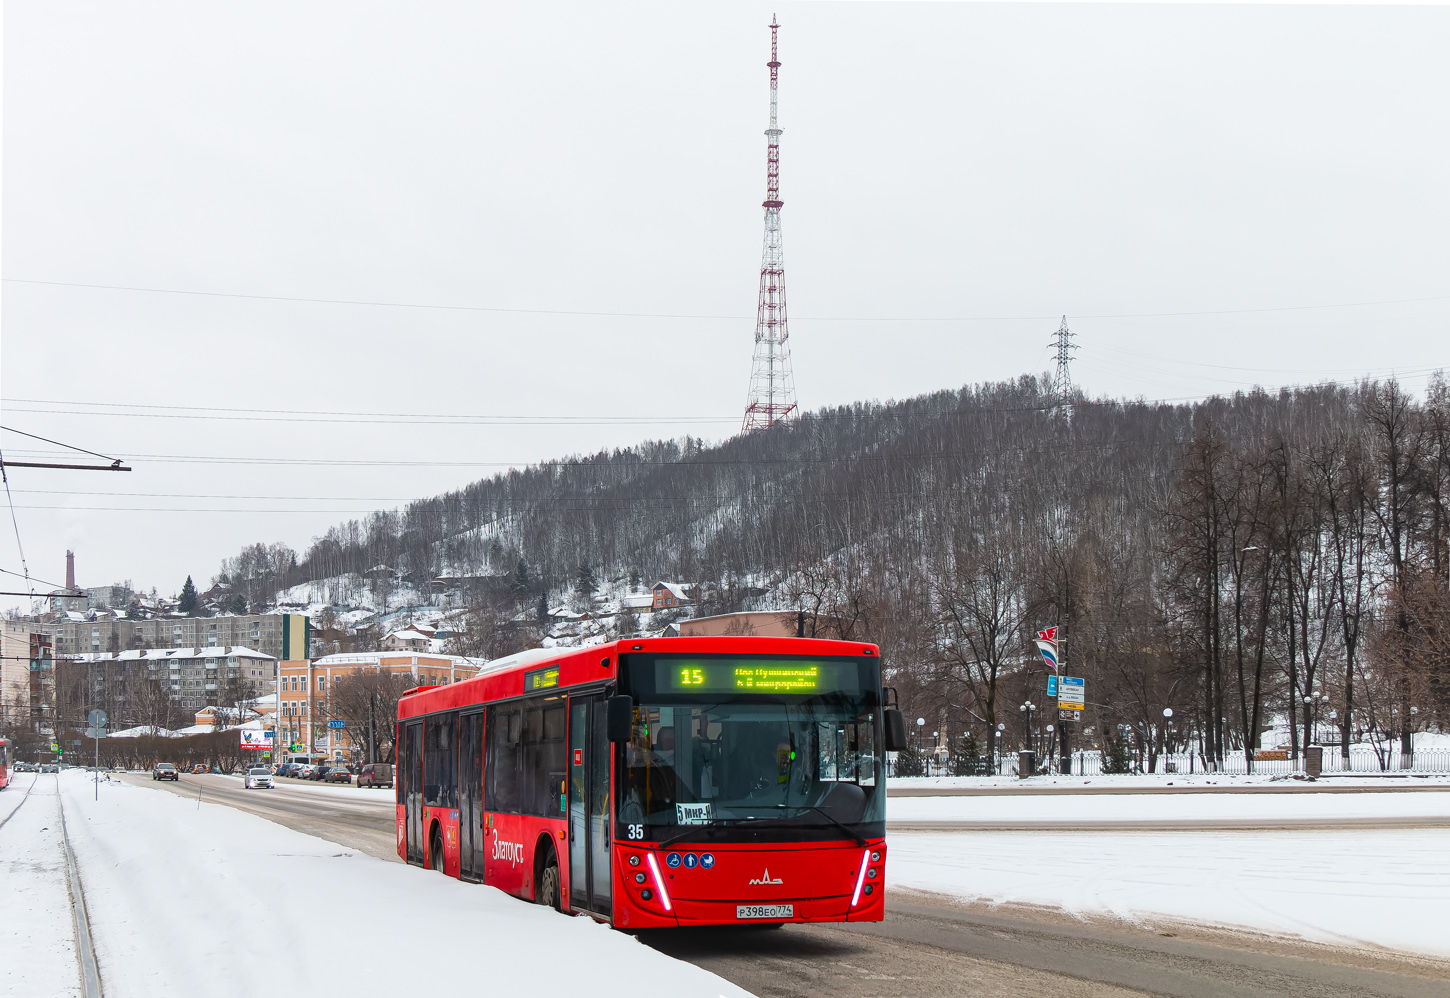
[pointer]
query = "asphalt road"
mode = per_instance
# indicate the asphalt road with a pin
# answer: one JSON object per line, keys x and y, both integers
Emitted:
{"x": 931, "y": 945}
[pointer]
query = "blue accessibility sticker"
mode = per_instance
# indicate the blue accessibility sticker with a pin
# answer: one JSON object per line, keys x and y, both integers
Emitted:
{"x": 707, "y": 860}
{"x": 672, "y": 860}
{"x": 691, "y": 861}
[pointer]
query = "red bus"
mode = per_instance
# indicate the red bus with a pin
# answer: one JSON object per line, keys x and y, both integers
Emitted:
{"x": 4, "y": 764}
{"x": 660, "y": 781}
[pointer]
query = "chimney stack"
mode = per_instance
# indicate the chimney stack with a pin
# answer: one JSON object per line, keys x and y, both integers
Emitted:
{"x": 70, "y": 570}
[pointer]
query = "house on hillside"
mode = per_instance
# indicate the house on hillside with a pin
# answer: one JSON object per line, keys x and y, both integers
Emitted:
{"x": 638, "y": 603}
{"x": 670, "y": 594}
{"x": 409, "y": 639}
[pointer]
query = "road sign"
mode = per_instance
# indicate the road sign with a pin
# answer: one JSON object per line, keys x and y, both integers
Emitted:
{"x": 1071, "y": 693}
{"x": 1069, "y": 715}
{"x": 95, "y": 732}
{"x": 337, "y": 724}
{"x": 96, "y": 718}
{"x": 1052, "y": 686}
{"x": 75, "y": 741}
{"x": 55, "y": 746}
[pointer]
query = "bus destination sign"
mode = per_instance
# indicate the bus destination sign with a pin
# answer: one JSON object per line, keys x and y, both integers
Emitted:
{"x": 541, "y": 679}
{"x": 754, "y": 676}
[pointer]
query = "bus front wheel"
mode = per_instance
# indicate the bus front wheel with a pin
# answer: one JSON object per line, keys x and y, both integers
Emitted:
{"x": 548, "y": 892}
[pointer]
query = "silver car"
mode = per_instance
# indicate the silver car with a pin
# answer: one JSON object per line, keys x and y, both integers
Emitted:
{"x": 258, "y": 776}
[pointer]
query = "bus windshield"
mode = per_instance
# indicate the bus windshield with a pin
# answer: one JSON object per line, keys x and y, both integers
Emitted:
{"x": 742, "y": 742}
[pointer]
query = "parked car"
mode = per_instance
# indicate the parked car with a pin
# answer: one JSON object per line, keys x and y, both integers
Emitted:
{"x": 50, "y": 767}
{"x": 165, "y": 771}
{"x": 258, "y": 777}
{"x": 306, "y": 771}
{"x": 339, "y": 774}
{"x": 375, "y": 774}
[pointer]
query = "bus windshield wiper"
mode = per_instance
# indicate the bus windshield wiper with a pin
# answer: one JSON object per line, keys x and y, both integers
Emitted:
{"x": 860, "y": 839}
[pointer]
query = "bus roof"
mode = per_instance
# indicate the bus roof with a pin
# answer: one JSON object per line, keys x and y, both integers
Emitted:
{"x": 504, "y": 677}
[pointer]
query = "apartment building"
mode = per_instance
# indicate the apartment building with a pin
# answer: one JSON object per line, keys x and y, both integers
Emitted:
{"x": 27, "y": 675}
{"x": 195, "y": 677}
{"x": 278, "y": 635}
{"x": 304, "y": 686}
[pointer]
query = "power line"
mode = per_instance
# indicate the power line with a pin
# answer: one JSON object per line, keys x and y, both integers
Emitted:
{"x": 73, "y": 447}
{"x": 718, "y": 316}
{"x": 16, "y": 524}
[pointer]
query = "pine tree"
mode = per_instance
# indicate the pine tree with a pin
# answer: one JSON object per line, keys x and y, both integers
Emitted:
{"x": 585, "y": 583}
{"x": 634, "y": 579}
{"x": 910, "y": 761}
{"x": 1116, "y": 758}
{"x": 187, "y": 604}
{"x": 966, "y": 760}
{"x": 237, "y": 604}
{"x": 519, "y": 584}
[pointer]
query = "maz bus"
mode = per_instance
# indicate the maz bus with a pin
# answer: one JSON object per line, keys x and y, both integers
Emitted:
{"x": 659, "y": 782}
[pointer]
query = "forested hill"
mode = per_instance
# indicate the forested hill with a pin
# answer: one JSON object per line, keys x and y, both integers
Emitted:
{"x": 1234, "y": 551}
{"x": 890, "y": 483}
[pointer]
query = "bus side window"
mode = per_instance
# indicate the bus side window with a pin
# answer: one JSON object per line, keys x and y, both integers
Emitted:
{"x": 544, "y": 756}
{"x": 503, "y": 764}
{"x": 440, "y": 776}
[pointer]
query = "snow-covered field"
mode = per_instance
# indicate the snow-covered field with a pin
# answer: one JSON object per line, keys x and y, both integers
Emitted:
{"x": 1384, "y": 888}
{"x": 1066, "y": 809}
{"x": 188, "y": 900}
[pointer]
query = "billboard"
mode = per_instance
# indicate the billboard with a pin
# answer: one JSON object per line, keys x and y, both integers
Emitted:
{"x": 256, "y": 740}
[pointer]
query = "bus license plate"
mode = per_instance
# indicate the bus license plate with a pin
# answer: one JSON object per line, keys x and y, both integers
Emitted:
{"x": 765, "y": 911}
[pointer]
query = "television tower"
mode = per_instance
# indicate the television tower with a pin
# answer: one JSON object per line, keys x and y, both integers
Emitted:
{"x": 772, "y": 387}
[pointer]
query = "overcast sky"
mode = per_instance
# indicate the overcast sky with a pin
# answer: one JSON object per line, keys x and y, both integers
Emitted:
{"x": 955, "y": 177}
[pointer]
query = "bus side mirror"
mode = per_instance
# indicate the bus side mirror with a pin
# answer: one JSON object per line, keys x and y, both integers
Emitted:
{"x": 895, "y": 730}
{"x": 620, "y": 721}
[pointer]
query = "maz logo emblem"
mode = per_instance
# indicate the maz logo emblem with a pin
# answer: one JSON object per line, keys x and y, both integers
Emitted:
{"x": 766, "y": 879}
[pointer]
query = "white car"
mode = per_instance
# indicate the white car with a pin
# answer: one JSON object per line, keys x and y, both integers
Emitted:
{"x": 259, "y": 776}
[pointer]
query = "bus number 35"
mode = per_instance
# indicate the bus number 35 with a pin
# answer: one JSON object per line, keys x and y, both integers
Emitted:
{"x": 636, "y": 831}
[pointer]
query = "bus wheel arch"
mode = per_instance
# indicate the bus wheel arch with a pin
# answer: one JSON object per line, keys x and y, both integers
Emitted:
{"x": 435, "y": 847}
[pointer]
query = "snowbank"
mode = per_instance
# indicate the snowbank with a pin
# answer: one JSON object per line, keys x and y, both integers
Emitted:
{"x": 1127, "y": 784}
{"x": 38, "y": 955}
{"x": 1364, "y": 888}
{"x": 187, "y": 900}
{"x": 1066, "y": 809}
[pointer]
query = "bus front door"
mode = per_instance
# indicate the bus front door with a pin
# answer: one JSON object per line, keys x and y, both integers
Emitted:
{"x": 589, "y": 824}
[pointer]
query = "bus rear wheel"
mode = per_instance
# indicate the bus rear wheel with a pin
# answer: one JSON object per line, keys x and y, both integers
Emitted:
{"x": 435, "y": 851}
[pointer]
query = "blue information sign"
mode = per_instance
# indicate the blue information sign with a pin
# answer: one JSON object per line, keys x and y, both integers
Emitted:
{"x": 337, "y": 724}
{"x": 1052, "y": 686}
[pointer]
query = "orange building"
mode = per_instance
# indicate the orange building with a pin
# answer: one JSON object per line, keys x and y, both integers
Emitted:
{"x": 303, "y": 686}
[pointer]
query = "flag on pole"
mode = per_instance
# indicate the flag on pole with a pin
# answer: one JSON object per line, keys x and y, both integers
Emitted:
{"x": 1049, "y": 652}
{"x": 1050, "y": 634}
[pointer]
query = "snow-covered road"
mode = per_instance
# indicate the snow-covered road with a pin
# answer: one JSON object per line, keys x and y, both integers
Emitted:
{"x": 187, "y": 900}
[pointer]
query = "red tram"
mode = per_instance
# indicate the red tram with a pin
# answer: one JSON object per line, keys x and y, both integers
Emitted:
{"x": 659, "y": 782}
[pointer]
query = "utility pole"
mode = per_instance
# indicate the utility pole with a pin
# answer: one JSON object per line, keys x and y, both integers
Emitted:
{"x": 772, "y": 385}
{"x": 372, "y": 726}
